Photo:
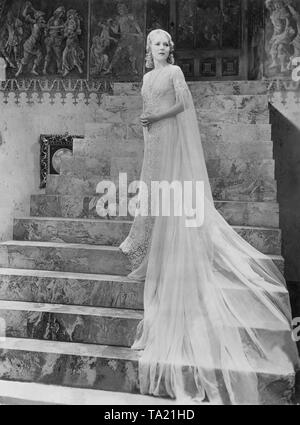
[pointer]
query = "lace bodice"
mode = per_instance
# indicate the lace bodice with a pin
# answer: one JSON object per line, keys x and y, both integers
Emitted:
{"x": 162, "y": 88}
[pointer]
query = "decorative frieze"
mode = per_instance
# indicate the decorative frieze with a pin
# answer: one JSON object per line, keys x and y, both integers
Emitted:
{"x": 37, "y": 91}
{"x": 282, "y": 37}
{"x": 13, "y": 88}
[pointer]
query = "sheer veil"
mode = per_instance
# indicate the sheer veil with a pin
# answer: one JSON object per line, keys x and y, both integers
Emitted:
{"x": 208, "y": 294}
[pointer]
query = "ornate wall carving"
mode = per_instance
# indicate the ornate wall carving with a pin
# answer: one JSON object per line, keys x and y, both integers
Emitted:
{"x": 86, "y": 39}
{"x": 282, "y": 37}
{"x": 117, "y": 38}
{"x": 34, "y": 90}
{"x": 104, "y": 40}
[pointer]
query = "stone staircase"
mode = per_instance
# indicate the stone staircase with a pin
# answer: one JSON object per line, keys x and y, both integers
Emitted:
{"x": 70, "y": 312}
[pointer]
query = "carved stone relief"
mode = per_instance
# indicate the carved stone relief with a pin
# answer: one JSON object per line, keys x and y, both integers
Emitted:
{"x": 73, "y": 38}
{"x": 117, "y": 39}
{"x": 45, "y": 39}
{"x": 282, "y": 37}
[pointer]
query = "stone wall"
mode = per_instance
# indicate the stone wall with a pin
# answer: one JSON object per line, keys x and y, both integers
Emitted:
{"x": 281, "y": 40}
{"x": 20, "y": 127}
{"x": 285, "y": 119}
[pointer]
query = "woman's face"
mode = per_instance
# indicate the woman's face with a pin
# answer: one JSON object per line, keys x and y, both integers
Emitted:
{"x": 160, "y": 47}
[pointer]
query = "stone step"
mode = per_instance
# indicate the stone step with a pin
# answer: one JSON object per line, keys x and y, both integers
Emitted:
{"x": 245, "y": 188}
{"x": 113, "y": 232}
{"x": 115, "y": 103}
{"x": 90, "y": 164}
{"x": 110, "y": 368}
{"x": 79, "y": 231}
{"x": 67, "y": 206}
{"x": 257, "y": 214}
{"x": 226, "y": 133}
{"x": 103, "y": 326}
{"x": 252, "y": 151}
{"x": 85, "y": 366}
{"x": 29, "y": 393}
{"x": 77, "y": 258}
{"x": 250, "y": 109}
{"x": 254, "y": 113}
{"x": 96, "y": 159}
{"x": 229, "y": 88}
{"x": 205, "y": 88}
{"x": 94, "y": 290}
{"x": 106, "y": 140}
{"x": 234, "y": 169}
{"x": 219, "y": 101}
{"x": 41, "y": 286}
{"x": 89, "y": 168}
{"x": 86, "y": 166}
{"x": 111, "y": 137}
{"x": 216, "y": 167}
{"x": 67, "y": 323}
{"x": 213, "y": 133}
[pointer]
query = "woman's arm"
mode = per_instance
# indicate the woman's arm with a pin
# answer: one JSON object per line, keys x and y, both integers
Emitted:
{"x": 172, "y": 112}
{"x": 176, "y": 109}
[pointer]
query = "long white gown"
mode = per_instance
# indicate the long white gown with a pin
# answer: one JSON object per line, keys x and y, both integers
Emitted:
{"x": 217, "y": 314}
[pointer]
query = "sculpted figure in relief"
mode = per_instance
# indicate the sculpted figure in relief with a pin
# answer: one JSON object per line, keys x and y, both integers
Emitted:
{"x": 283, "y": 34}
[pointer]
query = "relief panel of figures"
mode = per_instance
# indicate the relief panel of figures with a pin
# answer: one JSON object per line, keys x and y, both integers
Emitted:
{"x": 282, "y": 37}
{"x": 106, "y": 38}
{"x": 117, "y": 38}
{"x": 73, "y": 38}
{"x": 42, "y": 38}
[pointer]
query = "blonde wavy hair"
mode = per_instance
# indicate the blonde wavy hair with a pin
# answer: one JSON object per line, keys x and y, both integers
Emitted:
{"x": 149, "y": 58}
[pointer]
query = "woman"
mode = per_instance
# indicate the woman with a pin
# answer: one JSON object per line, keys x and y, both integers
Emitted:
{"x": 208, "y": 293}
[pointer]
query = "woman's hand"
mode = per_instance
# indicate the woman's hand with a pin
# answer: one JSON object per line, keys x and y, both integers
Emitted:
{"x": 148, "y": 120}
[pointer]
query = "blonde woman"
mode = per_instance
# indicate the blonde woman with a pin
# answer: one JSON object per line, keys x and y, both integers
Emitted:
{"x": 217, "y": 319}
